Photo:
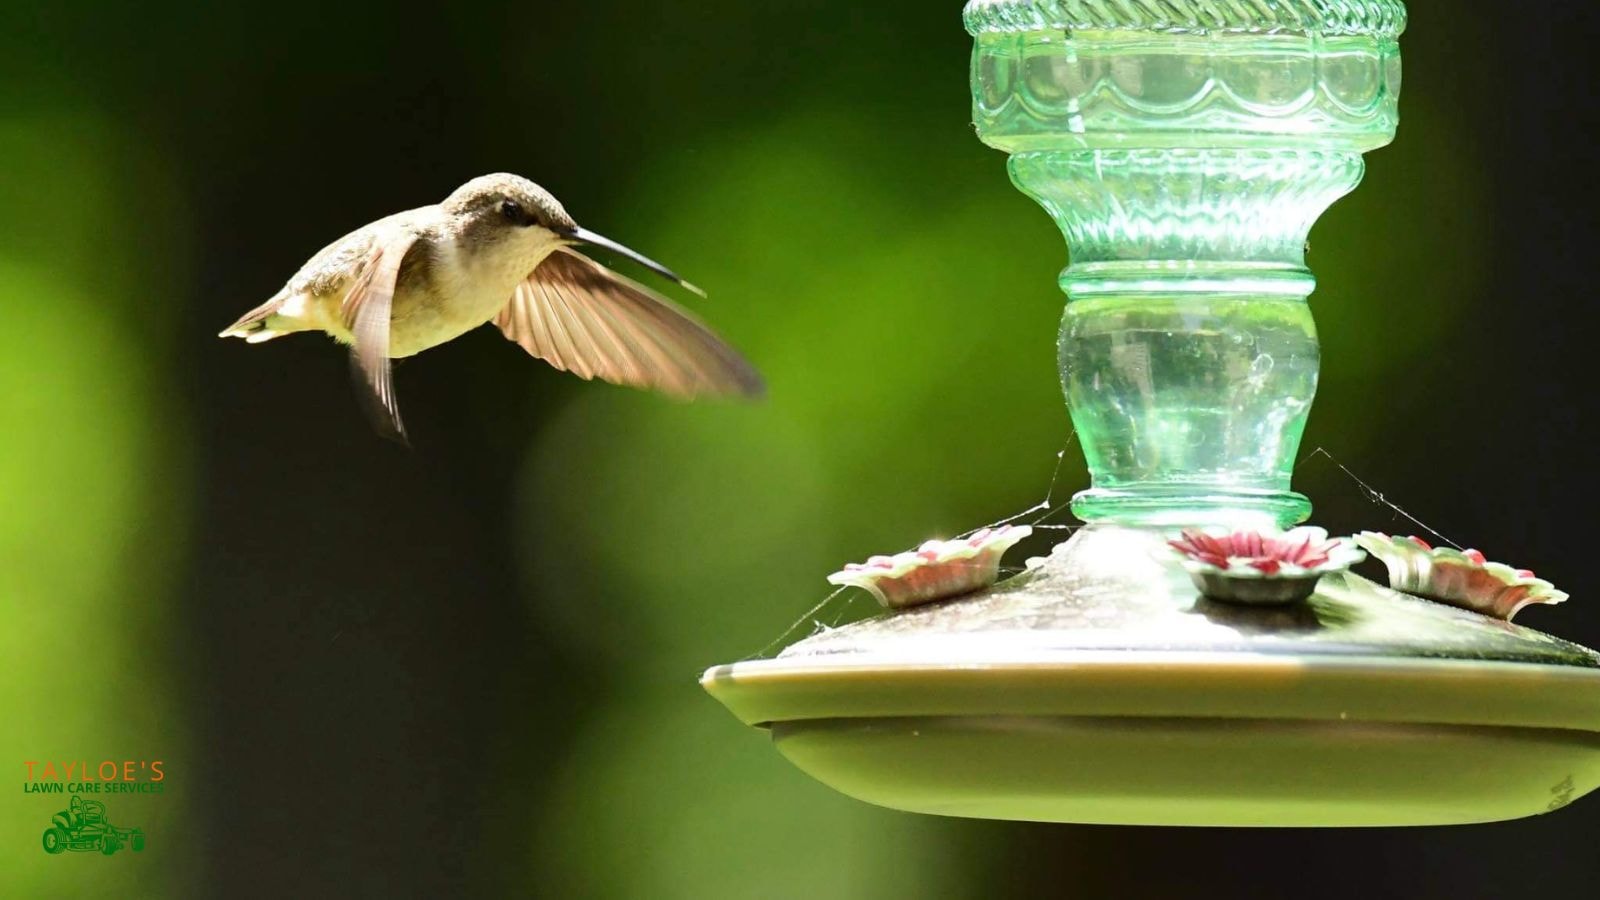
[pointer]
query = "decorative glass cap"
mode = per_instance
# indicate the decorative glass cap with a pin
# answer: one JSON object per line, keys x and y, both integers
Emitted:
{"x": 1048, "y": 74}
{"x": 1380, "y": 19}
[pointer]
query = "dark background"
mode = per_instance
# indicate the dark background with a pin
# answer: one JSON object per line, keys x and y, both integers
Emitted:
{"x": 468, "y": 669}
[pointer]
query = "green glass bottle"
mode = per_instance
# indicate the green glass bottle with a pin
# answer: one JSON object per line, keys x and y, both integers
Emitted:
{"x": 1185, "y": 148}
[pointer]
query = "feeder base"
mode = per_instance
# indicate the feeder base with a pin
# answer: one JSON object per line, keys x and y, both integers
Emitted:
{"x": 1101, "y": 688}
{"x": 1212, "y": 772}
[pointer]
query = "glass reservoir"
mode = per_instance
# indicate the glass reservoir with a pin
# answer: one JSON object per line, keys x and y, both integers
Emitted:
{"x": 1185, "y": 168}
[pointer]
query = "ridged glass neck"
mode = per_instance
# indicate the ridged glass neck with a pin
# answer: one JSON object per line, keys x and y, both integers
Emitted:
{"x": 1186, "y": 221}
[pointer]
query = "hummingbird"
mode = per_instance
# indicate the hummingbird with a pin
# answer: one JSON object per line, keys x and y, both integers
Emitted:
{"x": 499, "y": 249}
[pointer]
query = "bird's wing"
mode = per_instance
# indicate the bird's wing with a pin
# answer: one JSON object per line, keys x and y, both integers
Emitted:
{"x": 366, "y": 309}
{"x": 583, "y": 318}
{"x": 337, "y": 265}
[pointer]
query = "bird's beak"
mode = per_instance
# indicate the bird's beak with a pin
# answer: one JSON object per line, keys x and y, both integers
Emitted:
{"x": 585, "y": 236}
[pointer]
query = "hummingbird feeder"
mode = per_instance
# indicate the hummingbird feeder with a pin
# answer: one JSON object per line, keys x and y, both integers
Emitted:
{"x": 1181, "y": 660}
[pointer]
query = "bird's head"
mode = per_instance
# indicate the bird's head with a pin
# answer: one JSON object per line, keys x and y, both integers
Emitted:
{"x": 505, "y": 211}
{"x": 494, "y": 208}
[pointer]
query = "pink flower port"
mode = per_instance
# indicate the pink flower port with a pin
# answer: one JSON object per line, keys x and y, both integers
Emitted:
{"x": 1252, "y": 554}
{"x": 934, "y": 571}
{"x": 1463, "y": 578}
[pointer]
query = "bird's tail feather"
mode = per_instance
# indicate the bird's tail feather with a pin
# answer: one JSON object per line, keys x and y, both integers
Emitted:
{"x": 255, "y": 326}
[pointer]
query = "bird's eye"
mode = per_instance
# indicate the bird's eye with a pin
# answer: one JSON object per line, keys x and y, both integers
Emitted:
{"x": 512, "y": 210}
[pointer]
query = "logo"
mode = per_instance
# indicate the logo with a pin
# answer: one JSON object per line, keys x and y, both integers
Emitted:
{"x": 82, "y": 827}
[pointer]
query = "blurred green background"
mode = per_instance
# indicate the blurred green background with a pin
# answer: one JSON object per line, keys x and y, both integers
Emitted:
{"x": 468, "y": 669}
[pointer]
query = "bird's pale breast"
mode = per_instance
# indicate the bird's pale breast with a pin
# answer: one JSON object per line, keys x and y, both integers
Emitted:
{"x": 456, "y": 290}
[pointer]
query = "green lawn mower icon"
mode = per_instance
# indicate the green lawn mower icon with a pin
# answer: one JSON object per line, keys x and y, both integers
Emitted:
{"x": 83, "y": 826}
